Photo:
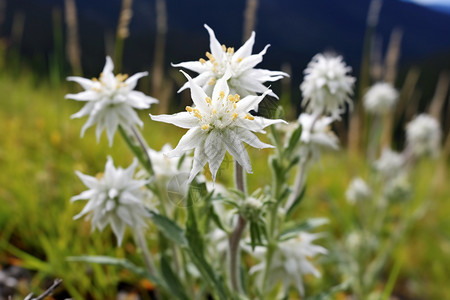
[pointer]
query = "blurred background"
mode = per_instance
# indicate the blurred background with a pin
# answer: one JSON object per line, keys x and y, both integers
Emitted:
{"x": 406, "y": 43}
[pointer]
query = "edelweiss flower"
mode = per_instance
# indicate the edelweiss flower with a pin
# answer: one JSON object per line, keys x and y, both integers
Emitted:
{"x": 218, "y": 124}
{"x": 245, "y": 79}
{"x": 111, "y": 100}
{"x": 316, "y": 134}
{"x": 423, "y": 135}
{"x": 358, "y": 190}
{"x": 380, "y": 98}
{"x": 116, "y": 199}
{"x": 290, "y": 261}
{"x": 168, "y": 167}
{"x": 326, "y": 86}
{"x": 390, "y": 164}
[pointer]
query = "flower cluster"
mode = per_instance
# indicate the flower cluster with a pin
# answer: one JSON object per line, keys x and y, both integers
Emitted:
{"x": 218, "y": 124}
{"x": 380, "y": 98}
{"x": 115, "y": 199}
{"x": 291, "y": 260}
{"x": 423, "y": 135}
{"x": 111, "y": 101}
{"x": 244, "y": 78}
{"x": 326, "y": 86}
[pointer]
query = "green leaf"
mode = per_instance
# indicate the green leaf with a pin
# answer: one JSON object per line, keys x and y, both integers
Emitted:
{"x": 169, "y": 228}
{"x": 304, "y": 226}
{"x": 293, "y": 141}
{"x": 121, "y": 262}
{"x": 196, "y": 252}
{"x": 172, "y": 280}
{"x": 296, "y": 202}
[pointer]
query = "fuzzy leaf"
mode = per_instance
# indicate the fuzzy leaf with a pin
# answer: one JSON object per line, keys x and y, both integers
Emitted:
{"x": 169, "y": 228}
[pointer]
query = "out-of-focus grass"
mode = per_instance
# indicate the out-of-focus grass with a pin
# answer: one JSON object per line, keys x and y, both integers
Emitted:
{"x": 40, "y": 148}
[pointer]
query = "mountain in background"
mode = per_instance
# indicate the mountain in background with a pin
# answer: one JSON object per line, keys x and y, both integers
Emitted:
{"x": 296, "y": 30}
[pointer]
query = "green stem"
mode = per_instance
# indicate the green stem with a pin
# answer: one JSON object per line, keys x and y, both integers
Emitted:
{"x": 138, "y": 147}
{"x": 140, "y": 240}
{"x": 236, "y": 235}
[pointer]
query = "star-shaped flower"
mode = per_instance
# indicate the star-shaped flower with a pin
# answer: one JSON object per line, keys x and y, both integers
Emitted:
{"x": 326, "y": 86}
{"x": 423, "y": 135}
{"x": 316, "y": 135}
{"x": 218, "y": 124}
{"x": 290, "y": 261}
{"x": 114, "y": 199}
{"x": 111, "y": 101}
{"x": 245, "y": 78}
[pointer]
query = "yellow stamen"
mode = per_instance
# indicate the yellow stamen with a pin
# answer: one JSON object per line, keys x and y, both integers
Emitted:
{"x": 197, "y": 113}
{"x": 237, "y": 98}
{"x": 230, "y": 98}
{"x": 189, "y": 109}
{"x": 239, "y": 59}
{"x": 230, "y": 50}
{"x": 210, "y": 57}
{"x": 249, "y": 117}
{"x": 121, "y": 77}
{"x": 224, "y": 48}
{"x": 212, "y": 81}
{"x": 208, "y": 100}
{"x": 205, "y": 126}
{"x": 214, "y": 111}
{"x": 94, "y": 79}
{"x": 222, "y": 94}
{"x": 235, "y": 116}
{"x": 202, "y": 60}
{"x": 234, "y": 105}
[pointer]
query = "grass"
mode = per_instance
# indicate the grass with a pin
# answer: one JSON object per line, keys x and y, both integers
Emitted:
{"x": 40, "y": 149}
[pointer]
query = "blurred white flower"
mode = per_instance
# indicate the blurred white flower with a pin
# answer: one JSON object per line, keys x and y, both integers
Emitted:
{"x": 166, "y": 167}
{"x": 111, "y": 101}
{"x": 390, "y": 164}
{"x": 316, "y": 134}
{"x": 423, "y": 135}
{"x": 245, "y": 78}
{"x": 358, "y": 190}
{"x": 218, "y": 124}
{"x": 326, "y": 86}
{"x": 114, "y": 199}
{"x": 290, "y": 261}
{"x": 380, "y": 98}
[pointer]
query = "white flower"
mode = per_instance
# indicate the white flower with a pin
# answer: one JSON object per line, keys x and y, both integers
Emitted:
{"x": 166, "y": 167}
{"x": 218, "y": 124}
{"x": 326, "y": 86}
{"x": 380, "y": 98}
{"x": 245, "y": 79}
{"x": 116, "y": 198}
{"x": 358, "y": 190}
{"x": 316, "y": 134}
{"x": 390, "y": 164}
{"x": 110, "y": 101}
{"x": 290, "y": 261}
{"x": 423, "y": 135}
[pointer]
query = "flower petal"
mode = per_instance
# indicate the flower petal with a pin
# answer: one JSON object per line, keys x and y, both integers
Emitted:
{"x": 88, "y": 95}
{"x": 200, "y": 160}
{"x": 84, "y": 82}
{"x": 235, "y": 147}
{"x": 182, "y": 119}
{"x": 214, "y": 45}
{"x": 190, "y": 140}
{"x": 251, "y": 139}
{"x": 215, "y": 151}
{"x": 195, "y": 66}
{"x": 132, "y": 81}
{"x": 252, "y": 60}
{"x": 197, "y": 94}
{"x": 246, "y": 49}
